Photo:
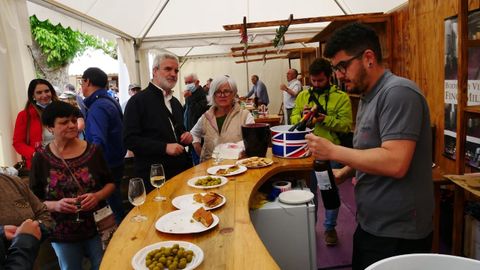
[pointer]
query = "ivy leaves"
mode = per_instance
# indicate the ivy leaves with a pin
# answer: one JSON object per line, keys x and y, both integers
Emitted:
{"x": 61, "y": 45}
{"x": 280, "y": 32}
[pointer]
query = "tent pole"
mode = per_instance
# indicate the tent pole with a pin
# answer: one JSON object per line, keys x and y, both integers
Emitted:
{"x": 153, "y": 22}
{"x": 340, "y": 6}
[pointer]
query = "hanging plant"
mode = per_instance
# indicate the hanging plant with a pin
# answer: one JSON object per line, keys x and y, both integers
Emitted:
{"x": 279, "y": 39}
{"x": 280, "y": 32}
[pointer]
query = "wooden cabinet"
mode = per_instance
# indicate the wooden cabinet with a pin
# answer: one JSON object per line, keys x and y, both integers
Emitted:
{"x": 463, "y": 113}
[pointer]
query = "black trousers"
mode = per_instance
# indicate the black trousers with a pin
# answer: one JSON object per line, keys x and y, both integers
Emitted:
{"x": 289, "y": 113}
{"x": 368, "y": 248}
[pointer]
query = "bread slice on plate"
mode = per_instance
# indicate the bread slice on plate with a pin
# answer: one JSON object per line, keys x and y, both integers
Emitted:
{"x": 198, "y": 197}
{"x": 203, "y": 216}
{"x": 212, "y": 199}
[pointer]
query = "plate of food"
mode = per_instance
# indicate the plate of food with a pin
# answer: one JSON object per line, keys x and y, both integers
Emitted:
{"x": 187, "y": 221}
{"x": 207, "y": 181}
{"x": 209, "y": 200}
{"x": 227, "y": 170}
{"x": 255, "y": 162}
{"x": 190, "y": 256}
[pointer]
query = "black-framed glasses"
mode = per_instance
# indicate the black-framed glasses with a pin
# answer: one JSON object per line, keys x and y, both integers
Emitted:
{"x": 223, "y": 93}
{"x": 343, "y": 65}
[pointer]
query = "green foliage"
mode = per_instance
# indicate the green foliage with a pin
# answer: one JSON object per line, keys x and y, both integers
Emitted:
{"x": 280, "y": 33}
{"x": 61, "y": 45}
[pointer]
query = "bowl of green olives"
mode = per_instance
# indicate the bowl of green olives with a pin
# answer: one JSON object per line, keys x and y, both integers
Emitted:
{"x": 170, "y": 255}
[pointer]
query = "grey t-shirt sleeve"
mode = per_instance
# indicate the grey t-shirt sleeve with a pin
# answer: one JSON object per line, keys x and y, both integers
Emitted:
{"x": 400, "y": 115}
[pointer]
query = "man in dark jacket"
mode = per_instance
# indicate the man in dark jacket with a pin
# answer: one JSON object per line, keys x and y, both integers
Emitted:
{"x": 195, "y": 106}
{"x": 103, "y": 126}
{"x": 195, "y": 100}
{"x": 153, "y": 123}
{"x": 22, "y": 252}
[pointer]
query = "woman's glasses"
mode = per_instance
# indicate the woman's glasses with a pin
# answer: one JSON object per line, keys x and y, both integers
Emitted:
{"x": 223, "y": 93}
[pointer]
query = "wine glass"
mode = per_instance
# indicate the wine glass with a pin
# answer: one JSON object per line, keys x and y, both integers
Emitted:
{"x": 216, "y": 155}
{"x": 157, "y": 179}
{"x": 78, "y": 204}
{"x": 137, "y": 196}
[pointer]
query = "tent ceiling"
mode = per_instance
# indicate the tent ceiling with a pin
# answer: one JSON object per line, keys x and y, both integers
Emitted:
{"x": 183, "y": 24}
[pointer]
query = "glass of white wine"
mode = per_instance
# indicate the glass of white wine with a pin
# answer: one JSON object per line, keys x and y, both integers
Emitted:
{"x": 157, "y": 179}
{"x": 137, "y": 196}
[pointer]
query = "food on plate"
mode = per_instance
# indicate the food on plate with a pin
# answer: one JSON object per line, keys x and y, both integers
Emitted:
{"x": 227, "y": 170}
{"x": 254, "y": 162}
{"x": 203, "y": 216}
{"x": 174, "y": 257}
{"x": 208, "y": 181}
{"x": 198, "y": 197}
{"x": 210, "y": 199}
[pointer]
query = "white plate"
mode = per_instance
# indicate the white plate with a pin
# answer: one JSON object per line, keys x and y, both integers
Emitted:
{"x": 186, "y": 202}
{"x": 138, "y": 261}
{"x": 213, "y": 170}
{"x": 295, "y": 196}
{"x": 192, "y": 181}
{"x": 181, "y": 221}
{"x": 242, "y": 162}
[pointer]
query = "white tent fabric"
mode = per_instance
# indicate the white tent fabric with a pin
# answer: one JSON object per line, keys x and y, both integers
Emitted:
{"x": 190, "y": 23}
{"x": 127, "y": 56}
{"x": 93, "y": 58}
{"x": 16, "y": 71}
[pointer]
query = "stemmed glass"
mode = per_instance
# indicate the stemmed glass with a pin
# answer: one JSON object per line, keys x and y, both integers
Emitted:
{"x": 137, "y": 196}
{"x": 157, "y": 179}
{"x": 78, "y": 204}
{"x": 216, "y": 155}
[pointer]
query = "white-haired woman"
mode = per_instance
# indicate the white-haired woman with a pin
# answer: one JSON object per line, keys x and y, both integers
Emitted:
{"x": 222, "y": 123}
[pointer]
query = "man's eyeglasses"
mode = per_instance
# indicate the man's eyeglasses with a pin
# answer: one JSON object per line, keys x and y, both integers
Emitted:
{"x": 343, "y": 65}
{"x": 223, "y": 93}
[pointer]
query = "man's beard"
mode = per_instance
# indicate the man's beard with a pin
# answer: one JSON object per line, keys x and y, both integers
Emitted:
{"x": 165, "y": 84}
{"x": 360, "y": 86}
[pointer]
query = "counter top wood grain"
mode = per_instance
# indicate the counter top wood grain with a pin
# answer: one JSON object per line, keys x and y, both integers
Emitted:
{"x": 232, "y": 244}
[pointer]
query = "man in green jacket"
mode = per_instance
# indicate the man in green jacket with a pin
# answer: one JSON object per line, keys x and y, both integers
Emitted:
{"x": 335, "y": 116}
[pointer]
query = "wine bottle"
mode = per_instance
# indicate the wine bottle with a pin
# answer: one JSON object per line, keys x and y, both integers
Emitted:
{"x": 326, "y": 183}
{"x": 302, "y": 125}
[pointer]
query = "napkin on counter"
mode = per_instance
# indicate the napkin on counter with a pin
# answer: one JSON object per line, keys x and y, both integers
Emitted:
{"x": 231, "y": 150}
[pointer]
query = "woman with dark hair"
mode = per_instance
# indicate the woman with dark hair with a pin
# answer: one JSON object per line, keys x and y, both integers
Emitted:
{"x": 29, "y": 132}
{"x": 72, "y": 178}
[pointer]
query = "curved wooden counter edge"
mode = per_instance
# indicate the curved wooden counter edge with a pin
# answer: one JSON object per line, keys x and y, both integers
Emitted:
{"x": 232, "y": 244}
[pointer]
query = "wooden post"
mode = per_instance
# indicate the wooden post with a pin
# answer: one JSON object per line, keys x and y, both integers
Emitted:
{"x": 461, "y": 123}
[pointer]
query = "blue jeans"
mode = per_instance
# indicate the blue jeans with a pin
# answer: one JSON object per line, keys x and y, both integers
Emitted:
{"x": 115, "y": 200}
{"x": 332, "y": 214}
{"x": 70, "y": 255}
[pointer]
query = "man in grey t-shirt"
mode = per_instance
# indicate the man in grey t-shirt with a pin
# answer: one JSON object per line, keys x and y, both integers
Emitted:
{"x": 391, "y": 158}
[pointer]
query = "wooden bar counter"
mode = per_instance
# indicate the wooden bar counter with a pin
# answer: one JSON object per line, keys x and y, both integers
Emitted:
{"x": 232, "y": 244}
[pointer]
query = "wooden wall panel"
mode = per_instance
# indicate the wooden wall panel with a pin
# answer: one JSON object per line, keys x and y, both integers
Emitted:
{"x": 418, "y": 54}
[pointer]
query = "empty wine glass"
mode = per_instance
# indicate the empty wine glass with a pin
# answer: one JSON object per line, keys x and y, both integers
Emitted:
{"x": 216, "y": 155}
{"x": 137, "y": 196}
{"x": 157, "y": 179}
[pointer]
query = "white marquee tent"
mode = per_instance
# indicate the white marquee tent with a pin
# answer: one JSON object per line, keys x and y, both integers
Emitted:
{"x": 191, "y": 29}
